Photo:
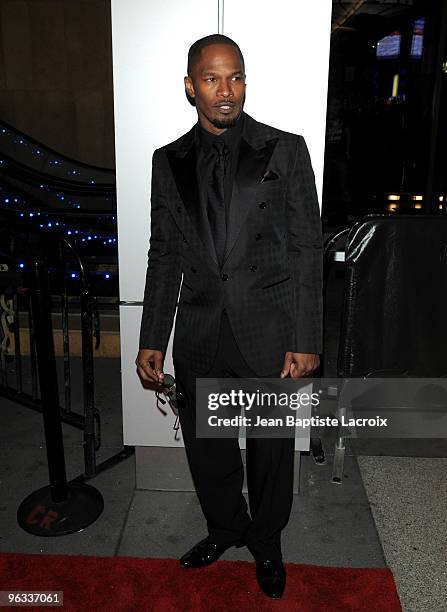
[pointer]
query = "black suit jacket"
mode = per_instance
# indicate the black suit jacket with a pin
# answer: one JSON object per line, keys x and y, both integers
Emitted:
{"x": 270, "y": 281}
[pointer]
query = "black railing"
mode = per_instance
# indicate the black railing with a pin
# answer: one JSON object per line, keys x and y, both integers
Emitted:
{"x": 20, "y": 249}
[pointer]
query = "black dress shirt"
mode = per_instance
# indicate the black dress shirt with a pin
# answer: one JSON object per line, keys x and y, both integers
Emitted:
{"x": 204, "y": 142}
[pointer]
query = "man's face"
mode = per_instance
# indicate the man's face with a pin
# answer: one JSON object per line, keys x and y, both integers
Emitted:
{"x": 217, "y": 84}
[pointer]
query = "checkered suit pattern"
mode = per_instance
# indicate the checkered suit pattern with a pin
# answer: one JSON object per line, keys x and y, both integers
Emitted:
{"x": 270, "y": 281}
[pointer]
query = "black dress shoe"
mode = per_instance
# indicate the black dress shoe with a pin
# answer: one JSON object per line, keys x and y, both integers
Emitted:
{"x": 206, "y": 552}
{"x": 271, "y": 577}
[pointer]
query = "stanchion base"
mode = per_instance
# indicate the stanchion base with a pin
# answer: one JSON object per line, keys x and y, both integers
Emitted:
{"x": 40, "y": 515}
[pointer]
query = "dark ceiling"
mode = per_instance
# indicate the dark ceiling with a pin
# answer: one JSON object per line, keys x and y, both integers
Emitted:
{"x": 345, "y": 11}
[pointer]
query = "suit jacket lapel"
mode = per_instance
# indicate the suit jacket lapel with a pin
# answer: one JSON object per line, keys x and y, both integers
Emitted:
{"x": 251, "y": 166}
{"x": 254, "y": 155}
{"x": 183, "y": 166}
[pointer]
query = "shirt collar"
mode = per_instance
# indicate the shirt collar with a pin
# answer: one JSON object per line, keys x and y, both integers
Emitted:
{"x": 231, "y": 136}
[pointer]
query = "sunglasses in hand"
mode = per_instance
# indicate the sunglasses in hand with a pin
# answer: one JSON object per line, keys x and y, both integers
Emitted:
{"x": 171, "y": 396}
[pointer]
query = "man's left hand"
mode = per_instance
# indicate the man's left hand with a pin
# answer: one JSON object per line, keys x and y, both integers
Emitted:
{"x": 299, "y": 364}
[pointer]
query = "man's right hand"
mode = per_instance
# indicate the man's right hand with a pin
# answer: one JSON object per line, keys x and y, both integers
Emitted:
{"x": 150, "y": 366}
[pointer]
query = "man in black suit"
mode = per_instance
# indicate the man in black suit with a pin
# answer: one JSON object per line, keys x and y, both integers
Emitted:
{"x": 234, "y": 209}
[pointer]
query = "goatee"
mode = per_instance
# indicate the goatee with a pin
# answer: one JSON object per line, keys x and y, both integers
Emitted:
{"x": 225, "y": 123}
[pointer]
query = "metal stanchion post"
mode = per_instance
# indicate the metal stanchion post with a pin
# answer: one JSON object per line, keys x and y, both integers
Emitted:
{"x": 59, "y": 508}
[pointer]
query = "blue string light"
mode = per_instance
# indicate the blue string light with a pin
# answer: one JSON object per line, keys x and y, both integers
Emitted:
{"x": 49, "y": 223}
{"x": 19, "y": 140}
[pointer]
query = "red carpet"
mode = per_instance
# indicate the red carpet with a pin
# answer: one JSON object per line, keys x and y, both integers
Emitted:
{"x": 129, "y": 584}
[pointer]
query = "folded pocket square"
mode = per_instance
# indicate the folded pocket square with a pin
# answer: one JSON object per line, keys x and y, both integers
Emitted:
{"x": 269, "y": 175}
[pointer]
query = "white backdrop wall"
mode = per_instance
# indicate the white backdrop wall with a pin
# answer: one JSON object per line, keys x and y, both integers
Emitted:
{"x": 286, "y": 50}
{"x": 285, "y": 44}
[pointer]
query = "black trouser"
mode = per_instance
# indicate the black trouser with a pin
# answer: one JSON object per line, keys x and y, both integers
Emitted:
{"x": 217, "y": 469}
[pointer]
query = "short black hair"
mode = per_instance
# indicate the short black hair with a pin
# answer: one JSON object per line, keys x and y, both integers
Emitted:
{"x": 206, "y": 41}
